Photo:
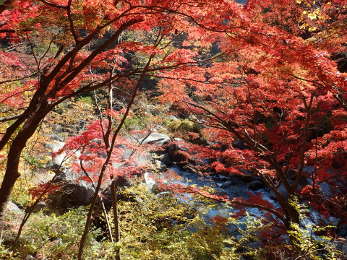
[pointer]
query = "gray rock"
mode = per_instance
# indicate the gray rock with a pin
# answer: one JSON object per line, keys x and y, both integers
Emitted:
{"x": 12, "y": 207}
{"x": 177, "y": 139}
{"x": 107, "y": 196}
{"x": 55, "y": 147}
{"x": 159, "y": 164}
{"x": 220, "y": 178}
{"x": 256, "y": 185}
{"x": 172, "y": 117}
{"x": 174, "y": 154}
{"x": 157, "y": 138}
{"x": 164, "y": 193}
{"x": 255, "y": 212}
{"x": 142, "y": 159}
{"x": 226, "y": 185}
{"x": 341, "y": 230}
{"x": 56, "y": 137}
{"x": 39, "y": 206}
{"x": 341, "y": 244}
{"x": 219, "y": 184}
{"x": 344, "y": 248}
{"x": 149, "y": 180}
{"x": 70, "y": 196}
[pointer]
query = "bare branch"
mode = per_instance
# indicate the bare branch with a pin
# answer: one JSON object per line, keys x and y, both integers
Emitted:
{"x": 72, "y": 27}
{"x": 5, "y": 119}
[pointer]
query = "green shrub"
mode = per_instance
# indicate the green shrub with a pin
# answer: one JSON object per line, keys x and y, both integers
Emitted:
{"x": 179, "y": 125}
{"x": 135, "y": 122}
{"x": 56, "y": 237}
{"x": 158, "y": 226}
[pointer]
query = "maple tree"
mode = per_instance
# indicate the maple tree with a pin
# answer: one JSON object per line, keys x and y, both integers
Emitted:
{"x": 63, "y": 62}
{"x": 69, "y": 48}
{"x": 274, "y": 107}
{"x": 272, "y": 100}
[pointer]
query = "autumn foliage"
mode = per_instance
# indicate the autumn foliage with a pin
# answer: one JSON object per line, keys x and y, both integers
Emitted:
{"x": 259, "y": 78}
{"x": 273, "y": 106}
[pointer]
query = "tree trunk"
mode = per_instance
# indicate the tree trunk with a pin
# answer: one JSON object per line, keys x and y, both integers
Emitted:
{"x": 115, "y": 217}
{"x": 291, "y": 215}
{"x": 16, "y": 148}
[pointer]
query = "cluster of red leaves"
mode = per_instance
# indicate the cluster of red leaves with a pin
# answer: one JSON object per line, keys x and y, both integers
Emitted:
{"x": 43, "y": 190}
{"x": 278, "y": 93}
{"x": 87, "y": 154}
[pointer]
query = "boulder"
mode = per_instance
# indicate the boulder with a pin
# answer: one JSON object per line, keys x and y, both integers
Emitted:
{"x": 55, "y": 147}
{"x": 176, "y": 155}
{"x": 39, "y": 206}
{"x": 70, "y": 195}
{"x": 157, "y": 138}
{"x": 149, "y": 180}
{"x": 341, "y": 230}
{"x": 12, "y": 207}
{"x": 106, "y": 195}
{"x": 256, "y": 185}
{"x": 226, "y": 185}
{"x": 341, "y": 244}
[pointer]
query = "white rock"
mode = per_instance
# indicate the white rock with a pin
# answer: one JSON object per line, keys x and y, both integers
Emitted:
{"x": 149, "y": 180}
{"x": 157, "y": 138}
{"x": 13, "y": 207}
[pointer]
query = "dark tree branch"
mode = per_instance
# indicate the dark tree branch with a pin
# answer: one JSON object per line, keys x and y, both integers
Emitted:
{"x": 107, "y": 161}
{"x": 54, "y": 5}
{"x": 5, "y": 119}
{"x": 72, "y": 27}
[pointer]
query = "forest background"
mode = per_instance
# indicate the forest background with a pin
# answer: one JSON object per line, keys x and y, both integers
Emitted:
{"x": 249, "y": 92}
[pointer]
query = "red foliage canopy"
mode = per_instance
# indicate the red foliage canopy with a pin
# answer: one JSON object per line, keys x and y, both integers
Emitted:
{"x": 272, "y": 86}
{"x": 274, "y": 104}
